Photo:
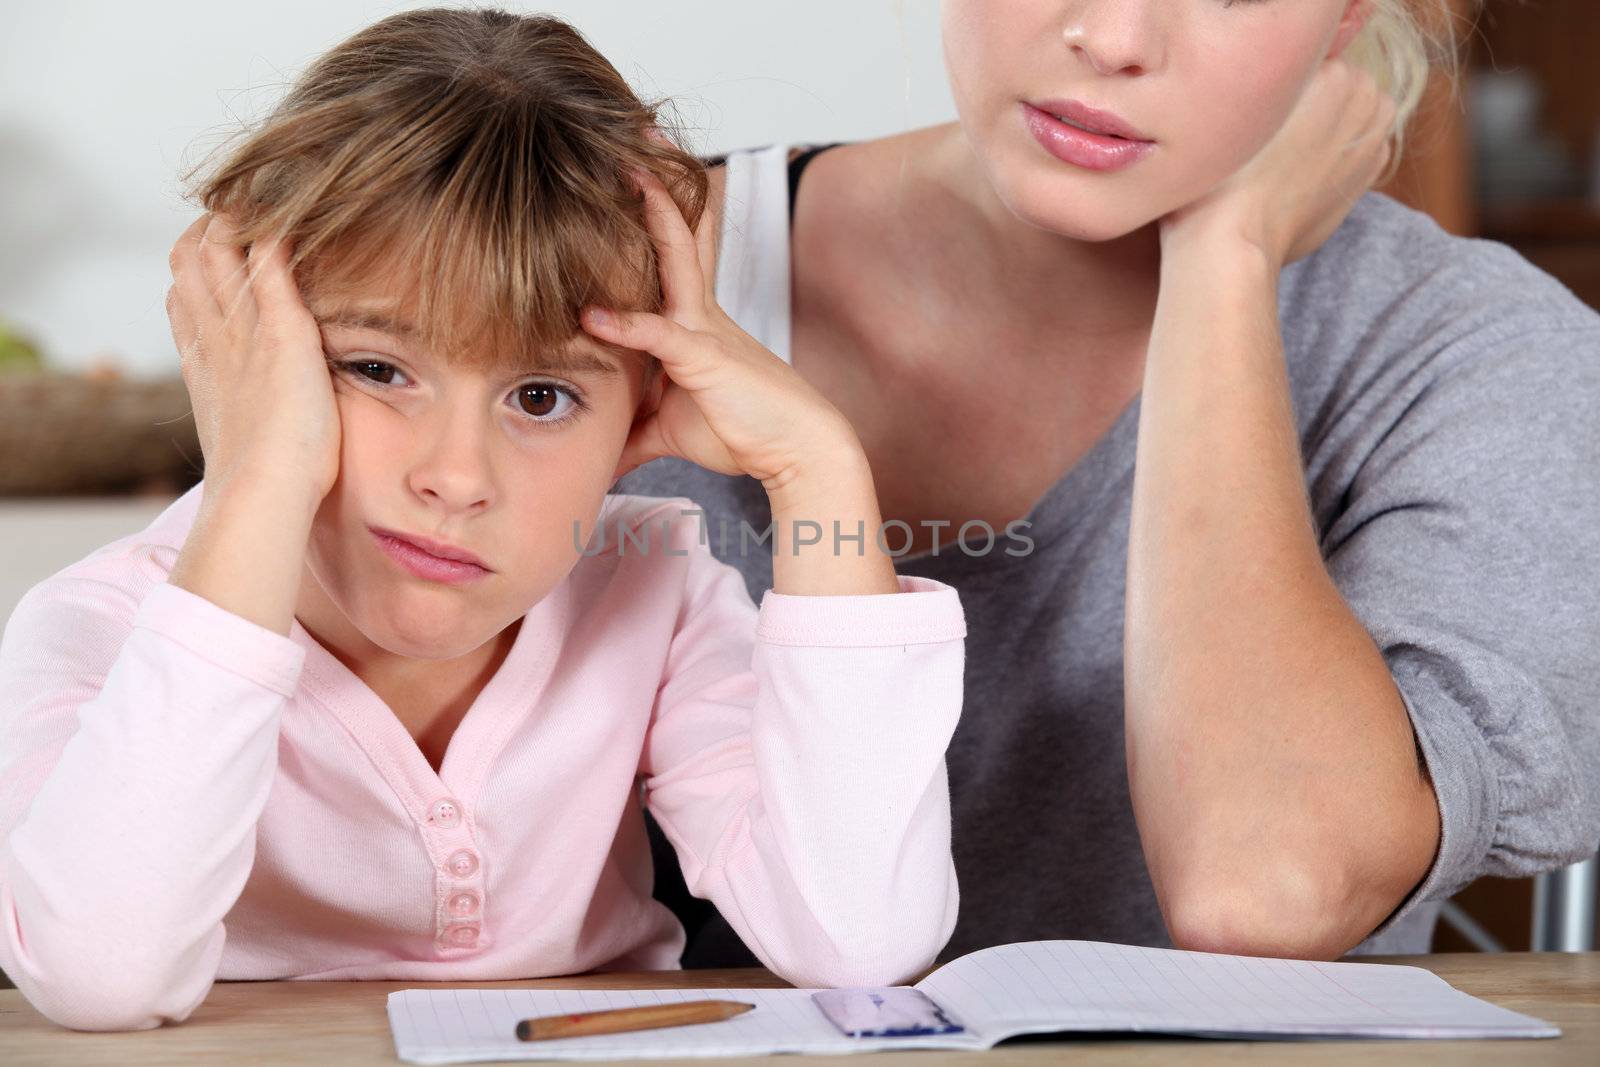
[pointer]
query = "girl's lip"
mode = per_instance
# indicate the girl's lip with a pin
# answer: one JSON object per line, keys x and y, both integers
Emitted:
{"x": 423, "y": 564}
{"x": 1092, "y": 151}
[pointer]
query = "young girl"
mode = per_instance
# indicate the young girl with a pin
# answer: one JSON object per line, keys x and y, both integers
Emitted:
{"x": 383, "y": 696}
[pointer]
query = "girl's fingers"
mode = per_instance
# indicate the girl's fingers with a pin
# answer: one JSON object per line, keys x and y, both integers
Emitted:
{"x": 677, "y": 347}
{"x": 677, "y": 257}
{"x": 277, "y": 296}
{"x": 184, "y": 334}
{"x": 190, "y": 295}
{"x": 223, "y": 265}
{"x": 705, "y": 240}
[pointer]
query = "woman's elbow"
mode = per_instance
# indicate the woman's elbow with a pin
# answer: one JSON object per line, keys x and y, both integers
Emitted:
{"x": 1293, "y": 916}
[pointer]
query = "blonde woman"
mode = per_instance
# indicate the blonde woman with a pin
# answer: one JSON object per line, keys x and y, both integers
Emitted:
{"x": 1278, "y": 507}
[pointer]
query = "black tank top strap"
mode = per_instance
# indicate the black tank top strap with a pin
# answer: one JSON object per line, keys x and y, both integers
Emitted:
{"x": 797, "y": 165}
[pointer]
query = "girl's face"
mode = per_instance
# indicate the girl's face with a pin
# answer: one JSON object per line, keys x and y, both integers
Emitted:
{"x": 1207, "y": 82}
{"x": 503, "y": 466}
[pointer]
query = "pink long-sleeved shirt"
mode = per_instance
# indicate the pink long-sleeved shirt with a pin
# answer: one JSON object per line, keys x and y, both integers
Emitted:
{"x": 186, "y": 795}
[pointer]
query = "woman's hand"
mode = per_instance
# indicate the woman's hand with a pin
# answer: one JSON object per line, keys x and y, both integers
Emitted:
{"x": 1296, "y": 191}
{"x": 728, "y": 403}
{"x": 252, "y": 360}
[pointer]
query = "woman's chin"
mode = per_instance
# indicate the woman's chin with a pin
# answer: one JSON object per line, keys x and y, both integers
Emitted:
{"x": 1072, "y": 210}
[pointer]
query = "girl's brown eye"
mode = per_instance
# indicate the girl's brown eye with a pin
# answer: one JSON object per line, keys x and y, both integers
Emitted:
{"x": 385, "y": 373}
{"x": 540, "y": 400}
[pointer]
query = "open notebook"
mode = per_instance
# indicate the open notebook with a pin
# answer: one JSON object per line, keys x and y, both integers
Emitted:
{"x": 995, "y": 993}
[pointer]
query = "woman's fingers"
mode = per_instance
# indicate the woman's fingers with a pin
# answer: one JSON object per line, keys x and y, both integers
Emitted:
{"x": 677, "y": 255}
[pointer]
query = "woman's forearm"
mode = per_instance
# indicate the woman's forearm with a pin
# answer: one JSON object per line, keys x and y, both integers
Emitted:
{"x": 1273, "y": 770}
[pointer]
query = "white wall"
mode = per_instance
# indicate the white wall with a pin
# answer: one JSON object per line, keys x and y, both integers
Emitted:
{"x": 102, "y": 102}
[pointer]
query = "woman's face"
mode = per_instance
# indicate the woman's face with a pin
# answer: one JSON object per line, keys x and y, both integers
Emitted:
{"x": 503, "y": 466}
{"x": 1207, "y": 81}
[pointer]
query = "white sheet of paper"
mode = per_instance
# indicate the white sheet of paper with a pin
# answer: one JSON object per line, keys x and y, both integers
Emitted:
{"x": 1034, "y": 987}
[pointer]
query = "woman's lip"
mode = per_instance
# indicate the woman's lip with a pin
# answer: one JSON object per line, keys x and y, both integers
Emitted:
{"x": 424, "y": 564}
{"x": 1091, "y": 118}
{"x": 1092, "y": 151}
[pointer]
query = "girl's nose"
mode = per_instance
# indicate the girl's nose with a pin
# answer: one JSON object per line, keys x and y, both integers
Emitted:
{"x": 452, "y": 464}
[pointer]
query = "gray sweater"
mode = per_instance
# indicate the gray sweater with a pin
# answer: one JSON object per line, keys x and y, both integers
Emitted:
{"x": 1448, "y": 398}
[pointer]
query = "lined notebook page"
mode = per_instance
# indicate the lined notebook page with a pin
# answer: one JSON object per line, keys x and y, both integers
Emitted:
{"x": 463, "y": 1025}
{"x": 1035, "y": 987}
{"x": 1041, "y": 986}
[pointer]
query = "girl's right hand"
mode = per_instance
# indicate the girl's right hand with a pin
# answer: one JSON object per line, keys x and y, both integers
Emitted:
{"x": 252, "y": 360}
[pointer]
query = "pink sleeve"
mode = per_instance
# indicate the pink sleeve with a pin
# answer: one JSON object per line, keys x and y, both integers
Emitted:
{"x": 796, "y": 763}
{"x": 138, "y": 742}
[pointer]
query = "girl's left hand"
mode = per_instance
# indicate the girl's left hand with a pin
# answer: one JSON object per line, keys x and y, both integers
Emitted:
{"x": 1292, "y": 195}
{"x": 729, "y": 404}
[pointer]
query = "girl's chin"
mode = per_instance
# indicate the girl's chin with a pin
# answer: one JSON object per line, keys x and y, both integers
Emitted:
{"x": 420, "y": 646}
{"x": 421, "y": 629}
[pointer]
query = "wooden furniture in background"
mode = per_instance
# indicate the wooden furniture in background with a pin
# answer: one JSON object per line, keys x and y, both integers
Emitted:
{"x": 1435, "y": 172}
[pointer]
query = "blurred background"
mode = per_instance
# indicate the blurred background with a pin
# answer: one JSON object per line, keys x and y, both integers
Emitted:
{"x": 103, "y": 103}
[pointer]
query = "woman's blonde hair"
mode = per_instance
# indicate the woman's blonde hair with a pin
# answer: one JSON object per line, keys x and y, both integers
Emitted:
{"x": 483, "y": 155}
{"x": 1402, "y": 44}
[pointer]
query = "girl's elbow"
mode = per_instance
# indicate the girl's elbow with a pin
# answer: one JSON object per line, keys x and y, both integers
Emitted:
{"x": 99, "y": 1000}
{"x": 85, "y": 984}
{"x": 890, "y": 946}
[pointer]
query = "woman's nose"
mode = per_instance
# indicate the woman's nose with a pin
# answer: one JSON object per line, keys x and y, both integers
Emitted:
{"x": 1115, "y": 36}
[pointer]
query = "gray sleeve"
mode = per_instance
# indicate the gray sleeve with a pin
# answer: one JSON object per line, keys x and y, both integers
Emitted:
{"x": 1467, "y": 546}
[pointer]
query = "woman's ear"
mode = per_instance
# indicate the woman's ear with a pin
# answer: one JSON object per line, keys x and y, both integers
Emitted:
{"x": 1356, "y": 14}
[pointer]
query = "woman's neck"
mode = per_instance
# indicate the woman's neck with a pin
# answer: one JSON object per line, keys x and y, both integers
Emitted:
{"x": 1057, "y": 285}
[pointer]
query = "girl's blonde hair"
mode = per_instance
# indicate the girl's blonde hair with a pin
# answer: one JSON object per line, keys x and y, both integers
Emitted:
{"x": 483, "y": 155}
{"x": 1402, "y": 44}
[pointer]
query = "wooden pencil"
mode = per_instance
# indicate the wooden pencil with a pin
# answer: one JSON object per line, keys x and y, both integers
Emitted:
{"x": 625, "y": 1020}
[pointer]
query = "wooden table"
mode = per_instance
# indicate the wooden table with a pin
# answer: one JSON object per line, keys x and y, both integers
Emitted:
{"x": 340, "y": 1023}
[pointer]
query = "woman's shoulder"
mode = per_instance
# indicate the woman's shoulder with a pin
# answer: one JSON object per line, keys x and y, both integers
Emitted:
{"x": 1392, "y": 307}
{"x": 1389, "y": 263}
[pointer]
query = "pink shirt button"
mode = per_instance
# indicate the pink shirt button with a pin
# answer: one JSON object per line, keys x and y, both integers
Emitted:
{"x": 463, "y": 863}
{"x": 462, "y": 936}
{"x": 462, "y": 904}
{"x": 445, "y": 813}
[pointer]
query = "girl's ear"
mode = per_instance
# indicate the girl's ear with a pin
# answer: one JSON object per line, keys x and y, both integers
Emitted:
{"x": 652, "y": 393}
{"x": 1356, "y": 14}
